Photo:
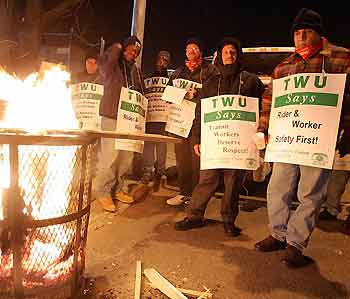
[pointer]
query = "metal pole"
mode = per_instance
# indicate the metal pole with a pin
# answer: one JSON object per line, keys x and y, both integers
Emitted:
{"x": 138, "y": 23}
{"x": 70, "y": 49}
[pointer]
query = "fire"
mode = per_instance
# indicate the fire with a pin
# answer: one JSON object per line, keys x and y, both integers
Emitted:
{"x": 40, "y": 102}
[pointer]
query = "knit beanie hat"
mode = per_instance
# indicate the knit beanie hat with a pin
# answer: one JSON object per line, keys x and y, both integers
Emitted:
{"x": 164, "y": 54}
{"x": 132, "y": 40}
{"x": 308, "y": 19}
{"x": 230, "y": 41}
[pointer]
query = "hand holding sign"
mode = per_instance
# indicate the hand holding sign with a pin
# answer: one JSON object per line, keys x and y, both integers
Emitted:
{"x": 190, "y": 94}
{"x": 197, "y": 149}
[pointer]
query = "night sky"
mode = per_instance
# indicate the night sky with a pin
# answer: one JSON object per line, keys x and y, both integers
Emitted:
{"x": 169, "y": 23}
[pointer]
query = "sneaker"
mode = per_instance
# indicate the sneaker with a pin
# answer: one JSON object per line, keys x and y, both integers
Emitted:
{"x": 176, "y": 200}
{"x": 107, "y": 204}
{"x": 270, "y": 244}
{"x": 125, "y": 198}
{"x": 188, "y": 223}
{"x": 325, "y": 215}
{"x": 294, "y": 258}
{"x": 232, "y": 229}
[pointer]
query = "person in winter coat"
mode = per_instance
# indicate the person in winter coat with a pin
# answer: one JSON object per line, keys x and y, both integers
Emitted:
{"x": 161, "y": 70}
{"x": 118, "y": 69}
{"x": 230, "y": 79}
{"x": 196, "y": 70}
{"x": 292, "y": 231}
{"x": 90, "y": 73}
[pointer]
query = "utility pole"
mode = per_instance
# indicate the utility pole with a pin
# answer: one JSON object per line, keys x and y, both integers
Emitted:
{"x": 138, "y": 23}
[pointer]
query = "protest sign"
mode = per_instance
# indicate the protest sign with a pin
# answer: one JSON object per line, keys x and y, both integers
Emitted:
{"x": 131, "y": 119}
{"x": 86, "y": 103}
{"x": 157, "y": 110}
{"x": 304, "y": 119}
{"x": 174, "y": 95}
{"x": 228, "y": 124}
{"x": 181, "y": 117}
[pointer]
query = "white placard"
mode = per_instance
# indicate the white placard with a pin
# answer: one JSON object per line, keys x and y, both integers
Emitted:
{"x": 228, "y": 124}
{"x": 186, "y": 84}
{"x": 304, "y": 119}
{"x": 174, "y": 95}
{"x": 131, "y": 119}
{"x": 180, "y": 118}
{"x": 157, "y": 110}
{"x": 86, "y": 102}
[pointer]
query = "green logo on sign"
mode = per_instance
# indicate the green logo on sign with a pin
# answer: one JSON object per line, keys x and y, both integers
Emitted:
{"x": 319, "y": 159}
{"x": 251, "y": 163}
{"x": 307, "y": 98}
{"x": 230, "y": 115}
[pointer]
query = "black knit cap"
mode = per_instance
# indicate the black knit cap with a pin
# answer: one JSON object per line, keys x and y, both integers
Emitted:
{"x": 196, "y": 41}
{"x": 132, "y": 40}
{"x": 308, "y": 19}
{"x": 228, "y": 40}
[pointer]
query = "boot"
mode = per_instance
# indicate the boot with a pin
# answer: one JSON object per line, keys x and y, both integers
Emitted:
{"x": 270, "y": 244}
{"x": 125, "y": 198}
{"x": 107, "y": 204}
{"x": 187, "y": 224}
{"x": 231, "y": 229}
{"x": 294, "y": 258}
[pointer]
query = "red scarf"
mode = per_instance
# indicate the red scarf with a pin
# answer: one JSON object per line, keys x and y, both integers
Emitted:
{"x": 309, "y": 51}
{"x": 193, "y": 64}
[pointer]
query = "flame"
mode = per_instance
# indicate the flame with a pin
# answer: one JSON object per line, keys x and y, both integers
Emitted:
{"x": 38, "y": 103}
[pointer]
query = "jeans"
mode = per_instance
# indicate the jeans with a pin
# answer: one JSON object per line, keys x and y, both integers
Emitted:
{"x": 112, "y": 164}
{"x": 310, "y": 183}
{"x": 149, "y": 157}
{"x": 208, "y": 183}
{"x": 151, "y": 147}
{"x": 336, "y": 188}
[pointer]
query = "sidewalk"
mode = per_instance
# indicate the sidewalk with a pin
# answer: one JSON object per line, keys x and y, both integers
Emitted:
{"x": 206, "y": 257}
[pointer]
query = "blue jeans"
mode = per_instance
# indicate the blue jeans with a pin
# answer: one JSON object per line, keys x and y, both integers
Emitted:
{"x": 310, "y": 185}
{"x": 112, "y": 164}
{"x": 150, "y": 148}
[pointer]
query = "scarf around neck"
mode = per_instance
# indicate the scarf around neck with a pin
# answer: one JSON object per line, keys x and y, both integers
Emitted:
{"x": 191, "y": 65}
{"x": 309, "y": 51}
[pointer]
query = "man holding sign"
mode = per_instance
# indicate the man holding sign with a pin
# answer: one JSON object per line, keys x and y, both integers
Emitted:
{"x": 157, "y": 116}
{"x": 121, "y": 106}
{"x": 87, "y": 90}
{"x": 301, "y": 110}
{"x": 190, "y": 77}
{"x": 225, "y": 129}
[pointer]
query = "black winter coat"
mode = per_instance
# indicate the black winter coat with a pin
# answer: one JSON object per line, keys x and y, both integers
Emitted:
{"x": 227, "y": 81}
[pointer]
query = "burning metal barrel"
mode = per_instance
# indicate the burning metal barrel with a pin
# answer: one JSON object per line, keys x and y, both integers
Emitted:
{"x": 45, "y": 198}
